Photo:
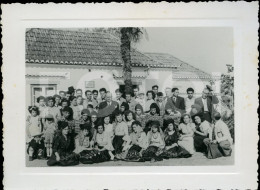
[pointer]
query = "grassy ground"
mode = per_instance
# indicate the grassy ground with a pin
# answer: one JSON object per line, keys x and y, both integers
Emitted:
{"x": 198, "y": 159}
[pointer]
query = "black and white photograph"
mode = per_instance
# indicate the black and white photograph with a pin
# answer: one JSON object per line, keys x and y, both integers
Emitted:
{"x": 132, "y": 96}
{"x": 126, "y": 97}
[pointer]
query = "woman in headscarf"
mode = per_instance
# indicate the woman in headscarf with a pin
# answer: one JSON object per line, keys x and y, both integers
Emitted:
{"x": 138, "y": 142}
{"x": 139, "y": 114}
{"x": 202, "y": 131}
{"x": 172, "y": 149}
{"x": 153, "y": 115}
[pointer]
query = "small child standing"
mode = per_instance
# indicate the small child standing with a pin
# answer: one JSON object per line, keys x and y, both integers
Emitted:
{"x": 50, "y": 128}
{"x": 36, "y": 146}
{"x": 33, "y": 122}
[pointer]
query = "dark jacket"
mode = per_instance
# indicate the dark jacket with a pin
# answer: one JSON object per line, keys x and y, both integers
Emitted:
{"x": 178, "y": 105}
{"x": 210, "y": 101}
{"x": 62, "y": 146}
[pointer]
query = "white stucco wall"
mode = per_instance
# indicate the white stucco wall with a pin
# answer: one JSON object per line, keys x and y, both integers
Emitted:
{"x": 103, "y": 78}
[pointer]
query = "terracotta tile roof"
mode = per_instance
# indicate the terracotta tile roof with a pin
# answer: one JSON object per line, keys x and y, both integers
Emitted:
{"x": 183, "y": 70}
{"x": 79, "y": 48}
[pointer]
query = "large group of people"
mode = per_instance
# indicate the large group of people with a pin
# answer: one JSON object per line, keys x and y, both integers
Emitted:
{"x": 71, "y": 128}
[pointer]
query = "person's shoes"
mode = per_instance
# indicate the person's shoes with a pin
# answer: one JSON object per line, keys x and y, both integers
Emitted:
{"x": 30, "y": 158}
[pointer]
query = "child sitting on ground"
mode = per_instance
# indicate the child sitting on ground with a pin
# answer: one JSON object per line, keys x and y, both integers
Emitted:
{"x": 36, "y": 146}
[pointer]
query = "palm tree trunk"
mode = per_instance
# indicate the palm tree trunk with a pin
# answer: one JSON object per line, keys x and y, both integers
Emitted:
{"x": 125, "y": 53}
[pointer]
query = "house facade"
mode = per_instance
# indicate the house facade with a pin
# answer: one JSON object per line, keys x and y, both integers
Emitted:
{"x": 57, "y": 59}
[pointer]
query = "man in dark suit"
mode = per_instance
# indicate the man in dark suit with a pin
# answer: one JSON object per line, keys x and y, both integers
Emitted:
{"x": 205, "y": 102}
{"x": 176, "y": 102}
{"x": 107, "y": 107}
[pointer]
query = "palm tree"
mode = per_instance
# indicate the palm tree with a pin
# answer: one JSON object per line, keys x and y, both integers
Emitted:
{"x": 128, "y": 35}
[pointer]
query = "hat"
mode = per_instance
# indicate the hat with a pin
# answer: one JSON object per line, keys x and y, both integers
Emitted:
{"x": 49, "y": 116}
{"x": 71, "y": 89}
{"x": 35, "y": 134}
{"x": 141, "y": 93}
{"x": 85, "y": 111}
{"x": 138, "y": 106}
{"x": 209, "y": 87}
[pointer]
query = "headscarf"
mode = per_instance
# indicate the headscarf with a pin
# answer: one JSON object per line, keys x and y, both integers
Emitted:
{"x": 85, "y": 111}
{"x": 154, "y": 105}
{"x": 138, "y": 106}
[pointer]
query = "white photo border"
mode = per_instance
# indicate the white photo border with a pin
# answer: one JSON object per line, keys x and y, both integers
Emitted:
{"x": 14, "y": 27}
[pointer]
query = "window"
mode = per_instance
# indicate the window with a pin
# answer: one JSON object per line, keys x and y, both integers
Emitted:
{"x": 42, "y": 90}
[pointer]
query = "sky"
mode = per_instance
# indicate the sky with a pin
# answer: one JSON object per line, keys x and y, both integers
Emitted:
{"x": 207, "y": 48}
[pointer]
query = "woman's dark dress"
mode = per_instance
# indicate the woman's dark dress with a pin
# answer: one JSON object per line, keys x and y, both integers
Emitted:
{"x": 93, "y": 156}
{"x": 118, "y": 144}
{"x": 64, "y": 148}
{"x": 198, "y": 142}
{"x": 175, "y": 152}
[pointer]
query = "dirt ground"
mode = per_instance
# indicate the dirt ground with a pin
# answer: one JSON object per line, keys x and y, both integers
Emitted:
{"x": 198, "y": 159}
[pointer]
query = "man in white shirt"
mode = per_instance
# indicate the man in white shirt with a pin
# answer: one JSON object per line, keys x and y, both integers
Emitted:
{"x": 190, "y": 100}
{"x": 221, "y": 137}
